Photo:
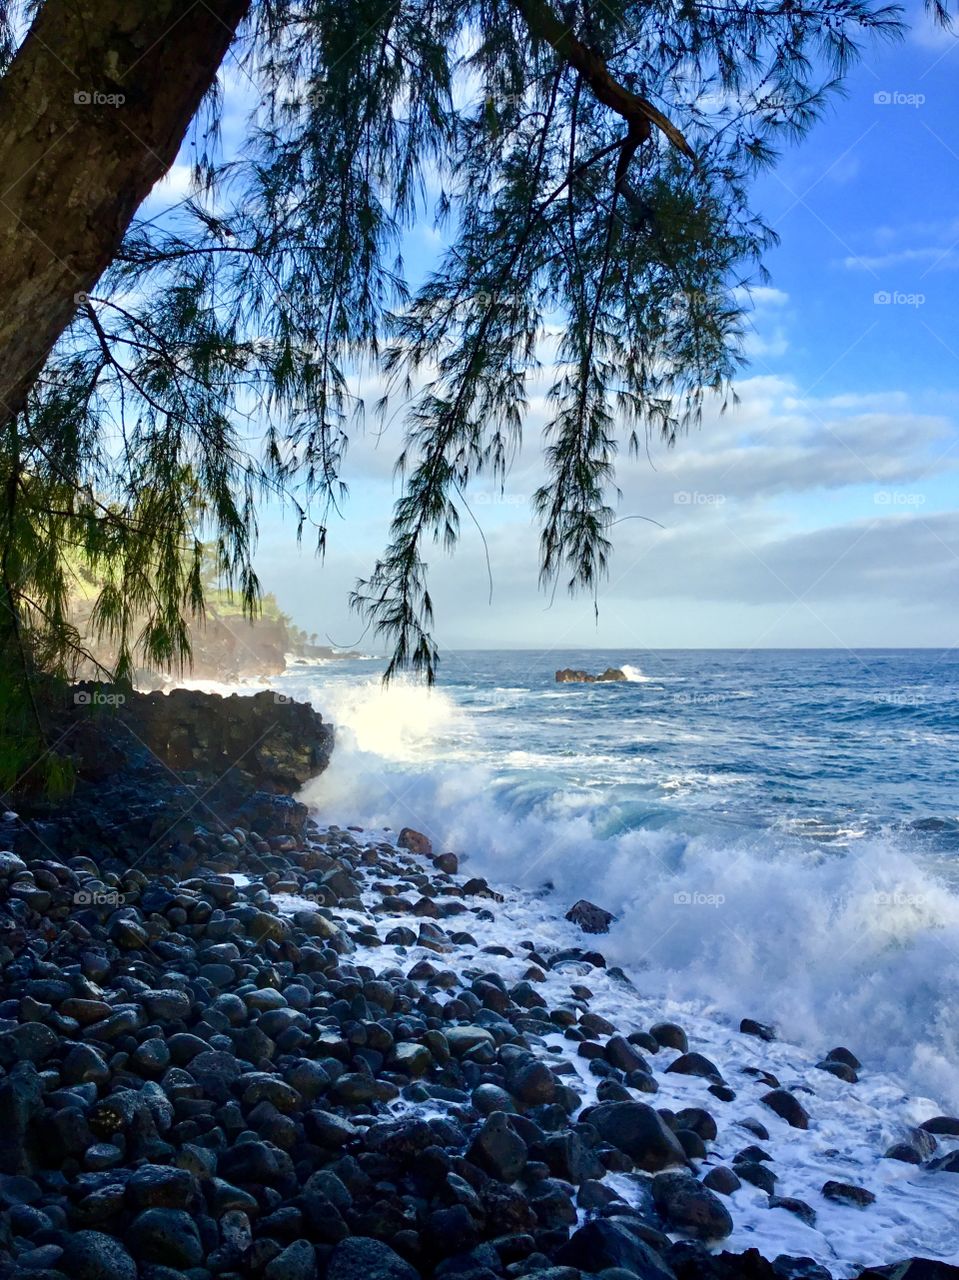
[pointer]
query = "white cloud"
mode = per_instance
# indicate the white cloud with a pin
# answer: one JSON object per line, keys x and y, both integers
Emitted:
{"x": 783, "y": 520}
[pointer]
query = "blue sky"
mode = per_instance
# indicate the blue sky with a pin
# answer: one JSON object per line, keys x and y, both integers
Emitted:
{"x": 823, "y": 511}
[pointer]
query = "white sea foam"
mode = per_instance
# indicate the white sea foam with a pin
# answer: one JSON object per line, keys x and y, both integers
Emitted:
{"x": 858, "y": 946}
{"x": 634, "y": 675}
{"x": 850, "y": 1125}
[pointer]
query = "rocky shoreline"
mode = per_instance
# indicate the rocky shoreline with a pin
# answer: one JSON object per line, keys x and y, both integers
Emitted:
{"x": 294, "y": 1051}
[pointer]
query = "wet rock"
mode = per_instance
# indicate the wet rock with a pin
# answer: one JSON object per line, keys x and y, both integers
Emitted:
{"x": 946, "y": 1164}
{"x": 363, "y": 1258}
{"x": 355, "y": 1087}
{"x": 607, "y": 1243}
{"x": 168, "y": 1006}
{"x": 750, "y": 1027}
{"x": 571, "y": 675}
{"x": 415, "y": 841}
{"x": 156, "y": 1186}
{"x": 29, "y": 1042}
{"x": 622, "y": 1055}
{"x": 692, "y": 1144}
{"x": 944, "y": 1126}
{"x": 590, "y": 917}
{"x": 21, "y": 1107}
{"x": 411, "y": 1059}
{"x": 805, "y": 1212}
{"x": 553, "y": 1203}
{"x": 296, "y": 1262}
{"x": 687, "y": 1205}
{"x": 846, "y": 1193}
{"x": 841, "y": 1054}
{"x": 791, "y": 1268}
{"x": 788, "y": 1107}
{"x": 639, "y": 1131}
{"x": 167, "y": 1237}
{"x": 532, "y": 1082}
{"x": 93, "y": 1255}
{"x": 722, "y": 1180}
{"x": 722, "y": 1092}
{"x": 755, "y": 1126}
{"x": 464, "y": 1039}
{"x": 841, "y": 1070}
{"x": 499, "y": 1149}
{"x": 903, "y": 1151}
{"x": 699, "y": 1121}
{"x": 695, "y": 1064}
{"x": 757, "y": 1174}
{"x": 670, "y": 1036}
{"x": 128, "y": 933}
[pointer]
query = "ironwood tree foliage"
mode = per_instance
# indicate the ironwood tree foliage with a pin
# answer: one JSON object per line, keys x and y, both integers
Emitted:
{"x": 589, "y": 164}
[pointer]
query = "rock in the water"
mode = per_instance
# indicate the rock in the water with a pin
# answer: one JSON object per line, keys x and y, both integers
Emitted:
{"x": 415, "y": 841}
{"x": 722, "y": 1179}
{"x": 844, "y": 1055}
{"x": 756, "y": 1173}
{"x": 805, "y": 1212}
{"x": 846, "y": 1193}
{"x": 572, "y": 675}
{"x": 788, "y": 1106}
{"x": 841, "y": 1070}
{"x": 750, "y": 1027}
{"x": 589, "y": 917}
{"x": 944, "y": 1126}
{"x": 903, "y": 1151}
{"x": 363, "y": 1258}
{"x": 670, "y": 1036}
{"x": 638, "y": 1130}
{"x": 946, "y": 1164}
{"x": 699, "y": 1121}
{"x": 696, "y": 1064}
{"x": 688, "y": 1206}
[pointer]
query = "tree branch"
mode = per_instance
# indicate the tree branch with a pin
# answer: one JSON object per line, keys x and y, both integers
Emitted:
{"x": 638, "y": 112}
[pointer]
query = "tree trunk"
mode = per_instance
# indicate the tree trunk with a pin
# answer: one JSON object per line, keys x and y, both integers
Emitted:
{"x": 92, "y": 113}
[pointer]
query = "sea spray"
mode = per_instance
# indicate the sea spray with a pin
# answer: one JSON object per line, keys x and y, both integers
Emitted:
{"x": 857, "y": 942}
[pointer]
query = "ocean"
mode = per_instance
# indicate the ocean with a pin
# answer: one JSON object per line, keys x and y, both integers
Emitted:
{"x": 777, "y": 832}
